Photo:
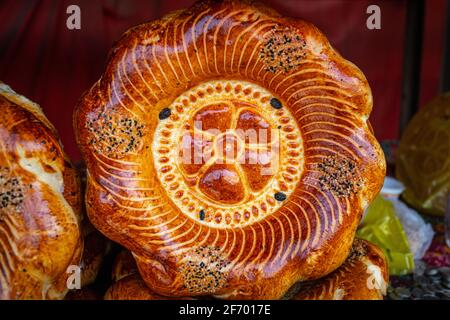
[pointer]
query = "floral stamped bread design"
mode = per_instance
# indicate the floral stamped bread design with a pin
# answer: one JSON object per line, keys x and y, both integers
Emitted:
{"x": 274, "y": 210}
{"x": 224, "y": 137}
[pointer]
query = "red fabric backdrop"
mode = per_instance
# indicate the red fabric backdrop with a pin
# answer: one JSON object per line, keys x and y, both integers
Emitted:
{"x": 42, "y": 59}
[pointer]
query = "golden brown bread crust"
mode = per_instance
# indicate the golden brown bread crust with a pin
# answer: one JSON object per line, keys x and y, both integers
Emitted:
{"x": 132, "y": 287}
{"x": 363, "y": 276}
{"x": 96, "y": 246}
{"x": 40, "y": 203}
{"x": 127, "y": 282}
{"x": 215, "y": 229}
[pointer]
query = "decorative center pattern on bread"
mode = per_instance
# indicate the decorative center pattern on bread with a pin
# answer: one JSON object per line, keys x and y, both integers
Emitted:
{"x": 225, "y": 152}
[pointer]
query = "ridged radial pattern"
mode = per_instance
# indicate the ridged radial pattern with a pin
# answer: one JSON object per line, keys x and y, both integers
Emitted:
{"x": 219, "y": 225}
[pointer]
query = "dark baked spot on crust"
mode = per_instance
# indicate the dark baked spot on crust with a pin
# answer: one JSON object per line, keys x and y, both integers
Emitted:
{"x": 275, "y": 103}
{"x": 164, "y": 114}
{"x": 204, "y": 270}
{"x": 11, "y": 192}
{"x": 115, "y": 136}
{"x": 283, "y": 49}
{"x": 280, "y": 196}
{"x": 339, "y": 175}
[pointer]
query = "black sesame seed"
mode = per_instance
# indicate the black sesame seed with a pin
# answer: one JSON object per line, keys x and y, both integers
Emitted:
{"x": 202, "y": 214}
{"x": 164, "y": 114}
{"x": 274, "y": 102}
{"x": 280, "y": 196}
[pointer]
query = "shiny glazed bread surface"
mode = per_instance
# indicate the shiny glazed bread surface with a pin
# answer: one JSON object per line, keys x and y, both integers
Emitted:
{"x": 127, "y": 282}
{"x": 233, "y": 229}
{"x": 363, "y": 276}
{"x": 39, "y": 204}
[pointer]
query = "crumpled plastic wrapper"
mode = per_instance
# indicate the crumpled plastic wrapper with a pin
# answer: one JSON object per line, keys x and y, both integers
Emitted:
{"x": 419, "y": 233}
{"x": 382, "y": 227}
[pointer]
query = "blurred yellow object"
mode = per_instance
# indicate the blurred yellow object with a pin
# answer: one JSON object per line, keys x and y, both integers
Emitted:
{"x": 423, "y": 161}
{"x": 382, "y": 227}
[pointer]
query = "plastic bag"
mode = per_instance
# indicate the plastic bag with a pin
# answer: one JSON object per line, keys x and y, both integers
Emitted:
{"x": 419, "y": 233}
{"x": 423, "y": 161}
{"x": 382, "y": 227}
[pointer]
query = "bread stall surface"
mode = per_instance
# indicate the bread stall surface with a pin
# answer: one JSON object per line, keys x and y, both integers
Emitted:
{"x": 176, "y": 176}
{"x": 39, "y": 204}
